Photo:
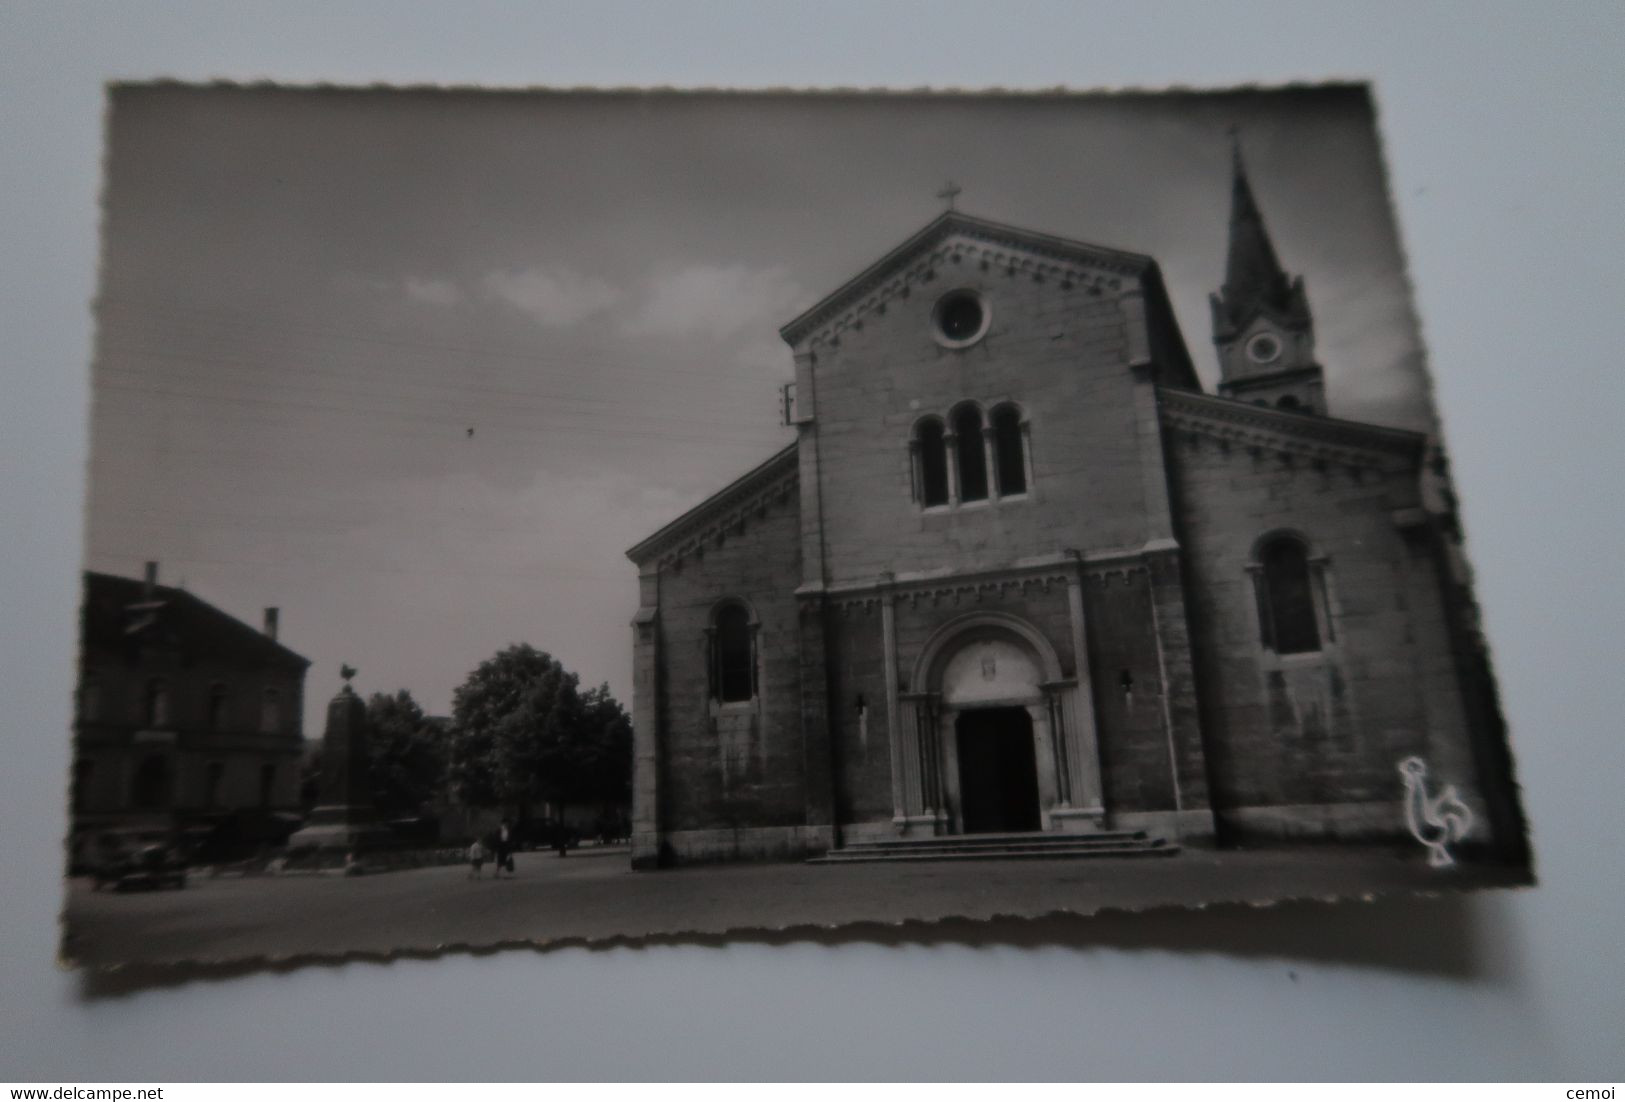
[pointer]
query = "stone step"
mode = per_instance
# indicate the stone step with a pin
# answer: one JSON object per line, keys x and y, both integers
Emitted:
{"x": 974, "y": 841}
{"x": 1157, "y": 848}
{"x": 1000, "y": 850}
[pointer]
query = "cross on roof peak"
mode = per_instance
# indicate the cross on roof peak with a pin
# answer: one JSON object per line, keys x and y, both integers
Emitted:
{"x": 950, "y": 192}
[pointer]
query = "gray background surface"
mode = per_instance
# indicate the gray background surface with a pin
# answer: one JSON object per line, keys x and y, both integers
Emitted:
{"x": 1504, "y": 142}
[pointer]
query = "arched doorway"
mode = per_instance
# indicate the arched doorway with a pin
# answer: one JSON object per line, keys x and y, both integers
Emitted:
{"x": 994, "y": 724}
{"x": 991, "y": 684}
{"x": 998, "y": 771}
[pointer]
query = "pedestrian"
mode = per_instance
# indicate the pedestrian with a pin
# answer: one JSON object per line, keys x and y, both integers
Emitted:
{"x": 504, "y": 847}
{"x": 476, "y": 859}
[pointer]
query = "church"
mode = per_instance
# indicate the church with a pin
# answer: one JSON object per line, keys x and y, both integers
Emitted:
{"x": 1019, "y": 574}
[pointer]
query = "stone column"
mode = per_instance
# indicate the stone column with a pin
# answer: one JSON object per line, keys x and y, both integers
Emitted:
{"x": 922, "y": 811}
{"x": 905, "y": 774}
{"x": 817, "y": 747}
{"x": 990, "y": 461}
{"x": 1075, "y": 713}
{"x": 646, "y": 837}
{"x": 1177, "y": 671}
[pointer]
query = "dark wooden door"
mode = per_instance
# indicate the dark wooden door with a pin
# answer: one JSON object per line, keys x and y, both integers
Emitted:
{"x": 998, "y": 771}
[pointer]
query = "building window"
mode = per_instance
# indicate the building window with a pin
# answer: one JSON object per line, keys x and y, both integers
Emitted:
{"x": 960, "y": 318}
{"x": 1289, "y": 402}
{"x": 1286, "y": 597}
{"x": 271, "y": 712}
{"x": 930, "y": 463}
{"x": 90, "y": 698}
{"x": 150, "y": 790}
{"x": 267, "y": 784}
{"x": 217, "y": 707}
{"x": 1009, "y": 452}
{"x": 733, "y": 654}
{"x": 155, "y": 703}
{"x": 971, "y": 454}
{"x": 214, "y": 780}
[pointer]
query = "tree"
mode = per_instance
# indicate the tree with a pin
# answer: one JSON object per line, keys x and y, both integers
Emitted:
{"x": 406, "y": 754}
{"x": 519, "y": 732}
{"x": 608, "y": 768}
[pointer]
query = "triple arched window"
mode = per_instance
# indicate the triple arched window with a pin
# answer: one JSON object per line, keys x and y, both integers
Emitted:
{"x": 970, "y": 457}
{"x": 732, "y": 653}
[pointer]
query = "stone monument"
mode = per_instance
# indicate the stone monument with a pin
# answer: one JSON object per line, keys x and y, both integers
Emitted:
{"x": 343, "y": 827}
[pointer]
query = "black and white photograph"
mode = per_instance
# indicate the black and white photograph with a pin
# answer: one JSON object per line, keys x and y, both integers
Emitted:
{"x": 574, "y": 516}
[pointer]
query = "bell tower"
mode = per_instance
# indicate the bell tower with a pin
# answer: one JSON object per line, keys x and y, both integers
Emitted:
{"x": 1261, "y": 323}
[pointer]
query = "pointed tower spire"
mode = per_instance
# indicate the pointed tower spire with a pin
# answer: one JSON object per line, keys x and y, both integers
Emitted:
{"x": 1261, "y": 321}
{"x": 1253, "y": 278}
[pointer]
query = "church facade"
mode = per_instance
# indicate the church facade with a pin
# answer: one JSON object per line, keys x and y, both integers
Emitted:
{"x": 1020, "y": 573}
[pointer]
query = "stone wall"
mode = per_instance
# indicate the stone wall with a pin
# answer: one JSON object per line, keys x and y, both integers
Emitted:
{"x": 730, "y": 767}
{"x": 1062, "y": 354}
{"x": 1308, "y": 744}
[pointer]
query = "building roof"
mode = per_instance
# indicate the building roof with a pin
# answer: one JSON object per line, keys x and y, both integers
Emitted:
{"x": 118, "y": 611}
{"x": 1061, "y": 252}
{"x": 1313, "y": 436}
{"x": 753, "y": 489}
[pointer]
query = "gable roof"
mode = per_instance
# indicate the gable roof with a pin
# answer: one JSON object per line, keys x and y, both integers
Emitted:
{"x": 118, "y": 610}
{"x": 1058, "y": 253}
{"x": 774, "y": 478}
{"x": 1327, "y": 439}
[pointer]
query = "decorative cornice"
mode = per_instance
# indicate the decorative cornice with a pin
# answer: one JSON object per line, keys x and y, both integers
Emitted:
{"x": 1327, "y": 440}
{"x": 955, "y": 238}
{"x": 1043, "y": 574}
{"x": 728, "y": 510}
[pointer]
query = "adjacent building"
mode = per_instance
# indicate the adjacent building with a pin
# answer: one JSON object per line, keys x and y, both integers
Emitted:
{"x": 183, "y": 711}
{"x": 1020, "y": 572}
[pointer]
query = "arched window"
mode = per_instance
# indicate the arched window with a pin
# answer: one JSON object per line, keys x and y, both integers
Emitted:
{"x": 1289, "y": 402}
{"x": 970, "y": 453}
{"x": 733, "y": 655}
{"x": 931, "y": 462}
{"x": 155, "y": 703}
{"x": 150, "y": 790}
{"x": 271, "y": 712}
{"x": 1009, "y": 455}
{"x": 1286, "y": 597}
{"x": 217, "y": 707}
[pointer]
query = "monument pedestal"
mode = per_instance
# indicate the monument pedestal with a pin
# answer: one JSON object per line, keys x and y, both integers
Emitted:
{"x": 343, "y": 828}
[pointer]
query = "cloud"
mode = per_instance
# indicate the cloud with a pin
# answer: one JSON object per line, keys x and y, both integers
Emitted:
{"x": 554, "y": 297}
{"x": 717, "y": 301}
{"x": 435, "y": 292}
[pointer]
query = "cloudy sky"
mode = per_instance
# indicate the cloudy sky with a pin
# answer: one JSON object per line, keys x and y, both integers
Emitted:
{"x": 308, "y": 299}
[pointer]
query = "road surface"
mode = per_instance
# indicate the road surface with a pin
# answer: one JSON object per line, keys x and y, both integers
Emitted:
{"x": 592, "y": 896}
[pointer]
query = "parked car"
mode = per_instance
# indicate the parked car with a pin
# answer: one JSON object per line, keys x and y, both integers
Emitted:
{"x": 546, "y": 834}
{"x": 125, "y": 859}
{"x": 241, "y": 835}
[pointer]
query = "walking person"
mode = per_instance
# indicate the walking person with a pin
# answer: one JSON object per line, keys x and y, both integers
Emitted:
{"x": 504, "y": 847}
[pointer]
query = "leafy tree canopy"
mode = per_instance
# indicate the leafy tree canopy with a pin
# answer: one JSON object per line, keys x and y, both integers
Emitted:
{"x": 524, "y": 732}
{"x": 406, "y": 754}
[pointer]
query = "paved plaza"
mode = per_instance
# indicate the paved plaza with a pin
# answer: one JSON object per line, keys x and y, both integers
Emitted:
{"x": 593, "y": 896}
